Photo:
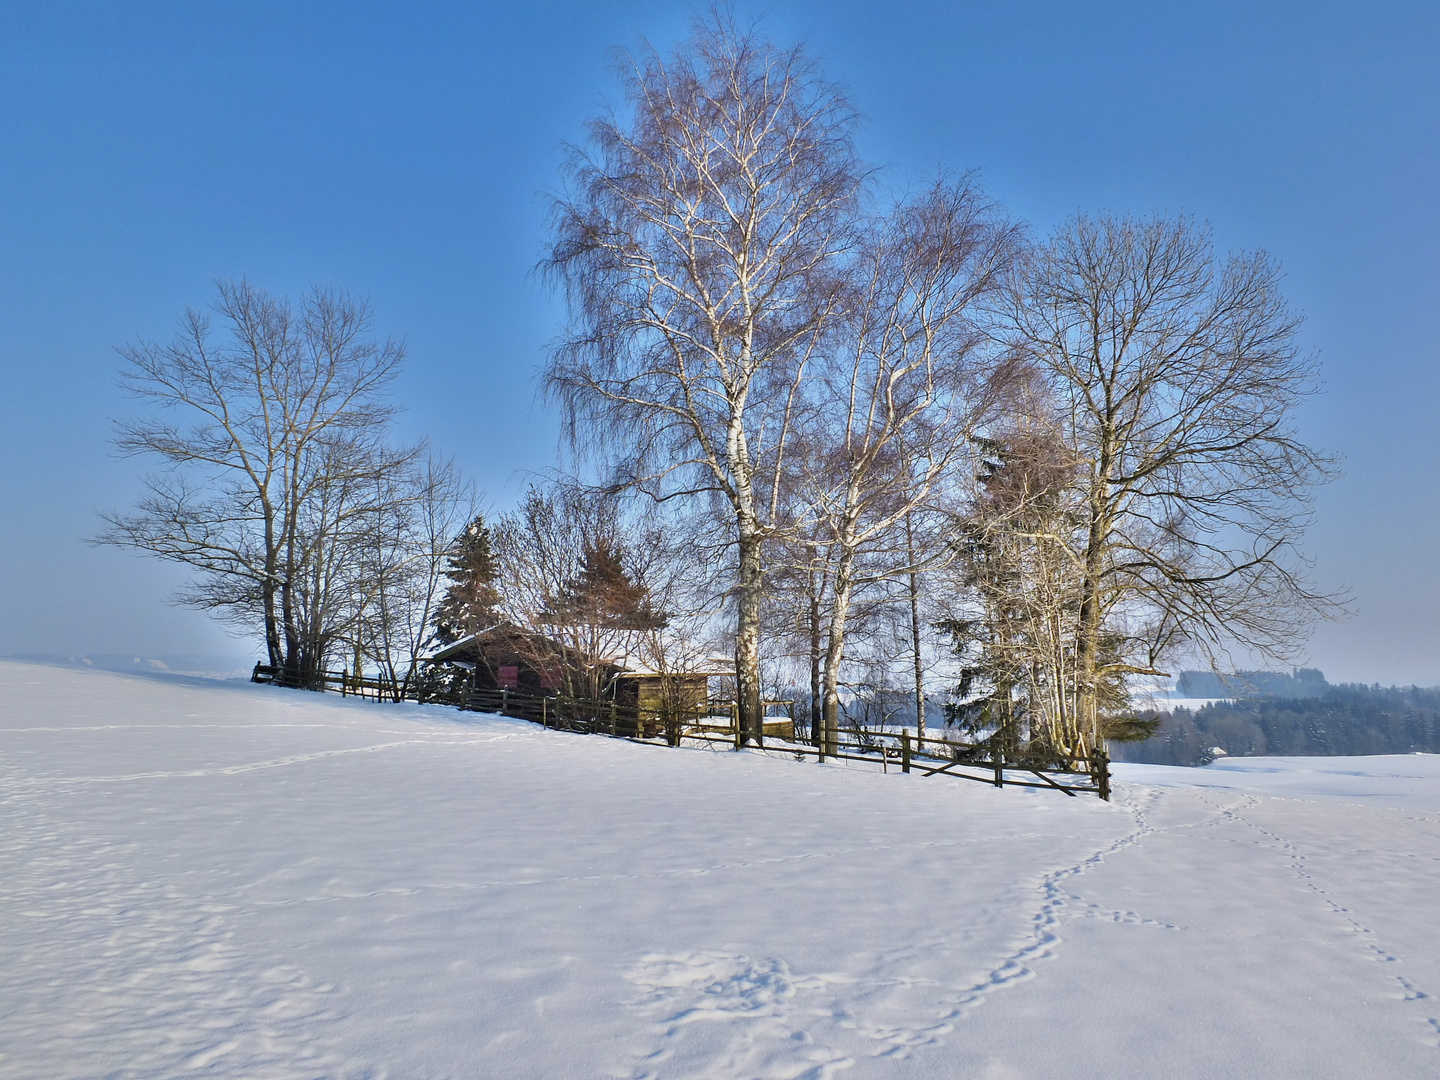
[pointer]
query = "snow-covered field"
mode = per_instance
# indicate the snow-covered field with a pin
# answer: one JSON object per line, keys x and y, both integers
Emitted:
{"x": 208, "y": 879}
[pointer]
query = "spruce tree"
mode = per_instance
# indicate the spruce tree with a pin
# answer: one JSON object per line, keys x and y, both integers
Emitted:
{"x": 472, "y": 601}
{"x": 603, "y": 594}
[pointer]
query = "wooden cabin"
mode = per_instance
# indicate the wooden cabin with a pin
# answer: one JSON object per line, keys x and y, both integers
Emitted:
{"x": 639, "y": 698}
{"x": 508, "y": 657}
{"x": 660, "y": 697}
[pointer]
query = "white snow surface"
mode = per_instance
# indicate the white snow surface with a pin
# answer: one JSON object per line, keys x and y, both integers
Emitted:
{"x": 201, "y": 879}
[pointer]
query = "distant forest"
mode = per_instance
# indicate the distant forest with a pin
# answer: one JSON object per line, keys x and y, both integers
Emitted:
{"x": 1312, "y": 719}
{"x": 1301, "y": 683}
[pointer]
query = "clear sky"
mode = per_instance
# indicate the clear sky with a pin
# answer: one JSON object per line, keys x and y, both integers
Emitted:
{"x": 403, "y": 150}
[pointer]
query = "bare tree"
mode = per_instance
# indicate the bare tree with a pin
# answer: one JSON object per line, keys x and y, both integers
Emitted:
{"x": 342, "y": 565}
{"x": 797, "y": 599}
{"x": 913, "y": 603}
{"x": 1176, "y": 379}
{"x": 400, "y": 552}
{"x": 907, "y": 380}
{"x": 699, "y": 247}
{"x": 675, "y": 565}
{"x": 923, "y": 558}
{"x": 269, "y": 435}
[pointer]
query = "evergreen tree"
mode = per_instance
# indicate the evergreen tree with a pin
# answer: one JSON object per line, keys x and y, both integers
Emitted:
{"x": 471, "y": 601}
{"x": 603, "y": 594}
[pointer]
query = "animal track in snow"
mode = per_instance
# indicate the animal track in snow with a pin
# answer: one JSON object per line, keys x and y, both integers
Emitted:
{"x": 1372, "y": 946}
{"x": 721, "y": 1015}
{"x": 753, "y": 1025}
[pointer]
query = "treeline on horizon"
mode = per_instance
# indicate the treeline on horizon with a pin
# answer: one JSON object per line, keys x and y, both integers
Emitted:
{"x": 1349, "y": 719}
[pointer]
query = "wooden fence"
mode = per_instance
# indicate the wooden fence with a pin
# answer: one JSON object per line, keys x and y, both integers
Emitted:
{"x": 349, "y": 685}
{"x": 984, "y": 762}
{"x": 715, "y": 723}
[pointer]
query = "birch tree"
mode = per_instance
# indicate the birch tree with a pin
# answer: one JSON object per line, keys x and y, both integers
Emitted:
{"x": 698, "y": 245}
{"x": 907, "y": 381}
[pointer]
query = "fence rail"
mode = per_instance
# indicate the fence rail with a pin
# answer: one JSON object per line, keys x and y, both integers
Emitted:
{"x": 715, "y": 723}
{"x": 982, "y": 762}
{"x": 348, "y": 684}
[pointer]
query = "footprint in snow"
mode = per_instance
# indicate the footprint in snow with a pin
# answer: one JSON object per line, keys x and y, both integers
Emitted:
{"x": 721, "y": 1016}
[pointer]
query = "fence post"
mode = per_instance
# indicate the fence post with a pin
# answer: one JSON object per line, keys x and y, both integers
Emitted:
{"x": 904, "y": 751}
{"x": 612, "y": 718}
{"x": 735, "y": 722}
{"x": 999, "y": 767}
{"x": 544, "y": 717}
{"x": 504, "y": 700}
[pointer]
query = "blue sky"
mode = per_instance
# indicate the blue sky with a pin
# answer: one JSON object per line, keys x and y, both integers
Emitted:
{"x": 404, "y": 151}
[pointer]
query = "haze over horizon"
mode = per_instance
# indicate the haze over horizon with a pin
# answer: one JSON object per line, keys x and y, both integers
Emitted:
{"x": 404, "y": 153}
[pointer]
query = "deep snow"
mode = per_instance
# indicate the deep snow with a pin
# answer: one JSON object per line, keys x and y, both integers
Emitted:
{"x": 207, "y": 879}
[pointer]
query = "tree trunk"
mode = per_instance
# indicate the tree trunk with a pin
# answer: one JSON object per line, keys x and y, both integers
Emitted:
{"x": 747, "y": 635}
{"x": 835, "y": 652}
{"x": 288, "y": 620}
{"x": 273, "y": 645}
{"x": 816, "y": 715}
{"x": 293, "y": 659}
{"x": 919, "y": 659}
{"x": 914, "y": 582}
{"x": 269, "y": 587}
{"x": 1087, "y": 649}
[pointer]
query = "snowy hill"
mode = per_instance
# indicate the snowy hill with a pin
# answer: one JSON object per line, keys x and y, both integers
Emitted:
{"x": 230, "y": 880}
{"x": 209, "y": 665}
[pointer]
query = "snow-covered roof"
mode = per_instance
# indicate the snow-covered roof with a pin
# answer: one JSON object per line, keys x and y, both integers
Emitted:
{"x": 629, "y": 663}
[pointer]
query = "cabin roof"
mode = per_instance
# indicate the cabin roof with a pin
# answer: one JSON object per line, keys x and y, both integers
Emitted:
{"x": 709, "y": 667}
{"x": 496, "y": 635}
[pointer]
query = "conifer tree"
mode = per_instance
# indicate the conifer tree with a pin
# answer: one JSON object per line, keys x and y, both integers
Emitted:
{"x": 472, "y": 601}
{"x": 603, "y": 593}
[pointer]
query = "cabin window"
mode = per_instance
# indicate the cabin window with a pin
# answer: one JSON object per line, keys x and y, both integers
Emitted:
{"x": 549, "y": 679}
{"x": 509, "y": 676}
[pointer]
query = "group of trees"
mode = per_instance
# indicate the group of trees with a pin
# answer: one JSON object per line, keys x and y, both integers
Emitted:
{"x": 1348, "y": 719}
{"x": 587, "y": 580}
{"x": 1086, "y": 442}
{"x": 307, "y": 526}
{"x": 854, "y": 419}
{"x": 279, "y": 486}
